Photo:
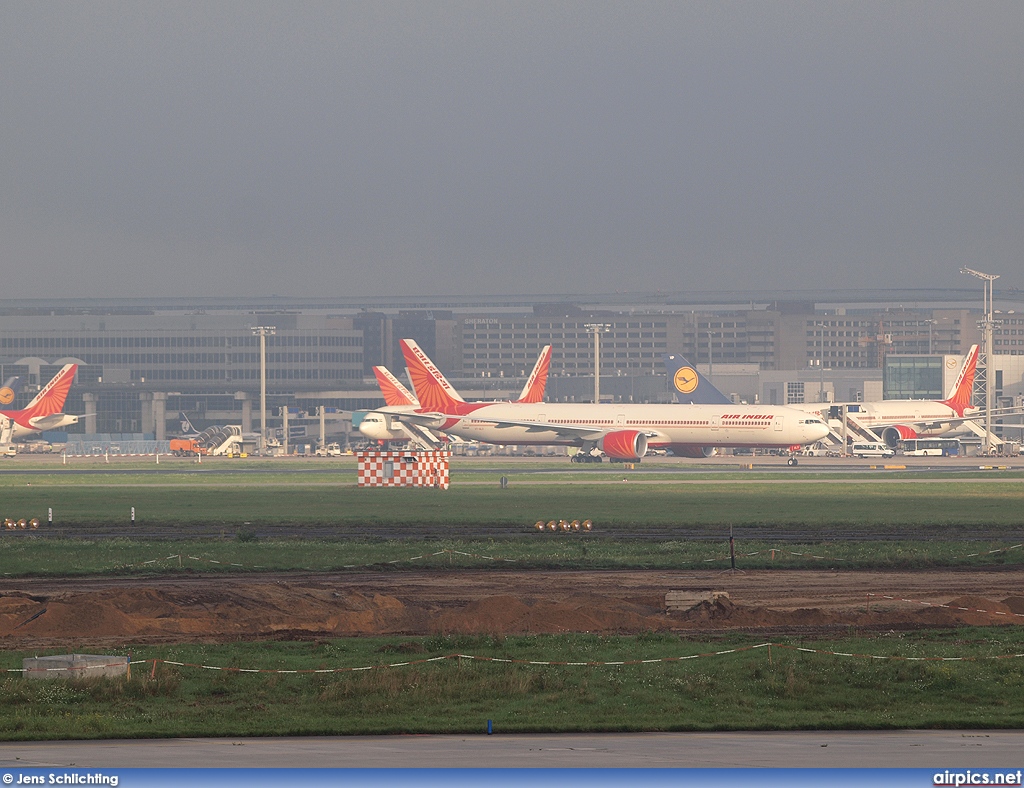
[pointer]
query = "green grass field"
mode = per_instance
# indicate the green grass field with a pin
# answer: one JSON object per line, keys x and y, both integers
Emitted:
{"x": 22, "y": 556}
{"x": 729, "y": 500}
{"x": 248, "y": 518}
{"x": 257, "y": 521}
{"x": 750, "y": 689}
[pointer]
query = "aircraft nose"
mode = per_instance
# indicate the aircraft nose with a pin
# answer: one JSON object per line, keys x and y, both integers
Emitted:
{"x": 369, "y": 427}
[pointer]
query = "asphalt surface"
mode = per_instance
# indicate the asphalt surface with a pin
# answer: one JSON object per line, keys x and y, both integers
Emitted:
{"x": 814, "y": 749}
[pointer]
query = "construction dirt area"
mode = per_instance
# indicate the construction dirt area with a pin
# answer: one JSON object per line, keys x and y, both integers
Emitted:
{"x": 79, "y": 614}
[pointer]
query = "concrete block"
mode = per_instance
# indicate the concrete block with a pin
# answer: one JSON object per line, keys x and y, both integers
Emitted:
{"x": 74, "y": 666}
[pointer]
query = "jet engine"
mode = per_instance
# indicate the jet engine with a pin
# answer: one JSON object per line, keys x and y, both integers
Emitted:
{"x": 893, "y": 435}
{"x": 693, "y": 452}
{"x": 628, "y": 445}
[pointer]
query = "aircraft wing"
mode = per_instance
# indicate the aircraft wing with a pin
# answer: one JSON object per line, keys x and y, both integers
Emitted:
{"x": 935, "y": 423}
{"x": 570, "y": 431}
{"x": 581, "y": 432}
{"x": 432, "y": 421}
{"x": 996, "y": 414}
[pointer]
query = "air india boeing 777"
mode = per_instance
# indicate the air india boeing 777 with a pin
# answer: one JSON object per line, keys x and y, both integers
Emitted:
{"x": 43, "y": 412}
{"x": 621, "y": 431}
{"x": 380, "y": 424}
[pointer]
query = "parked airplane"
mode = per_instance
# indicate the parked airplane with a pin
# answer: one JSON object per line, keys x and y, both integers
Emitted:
{"x": 894, "y": 420}
{"x": 43, "y": 412}
{"x": 621, "y": 431}
{"x": 398, "y": 398}
{"x": 888, "y": 421}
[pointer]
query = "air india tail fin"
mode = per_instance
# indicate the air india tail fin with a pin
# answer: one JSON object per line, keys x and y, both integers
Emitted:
{"x": 959, "y": 397}
{"x": 689, "y": 386}
{"x": 51, "y": 399}
{"x": 533, "y": 391}
{"x": 432, "y": 389}
{"x": 392, "y": 389}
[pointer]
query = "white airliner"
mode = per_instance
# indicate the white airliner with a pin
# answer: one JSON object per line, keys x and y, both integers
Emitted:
{"x": 894, "y": 420}
{"x": 43, "y": 412}
{"x": 623, "y": 431}
{"x": 380, "y": 425}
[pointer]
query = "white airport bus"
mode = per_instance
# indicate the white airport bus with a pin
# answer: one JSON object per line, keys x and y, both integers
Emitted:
{"x": 930, "y": 447}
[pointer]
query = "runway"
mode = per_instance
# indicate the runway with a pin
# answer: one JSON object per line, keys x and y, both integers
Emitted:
{"x": 815, "y": 749}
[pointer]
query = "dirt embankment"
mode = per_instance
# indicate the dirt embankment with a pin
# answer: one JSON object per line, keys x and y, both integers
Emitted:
{"x": 73, "y": 613}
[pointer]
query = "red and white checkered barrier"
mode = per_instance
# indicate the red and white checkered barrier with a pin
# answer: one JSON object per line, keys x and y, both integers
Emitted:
{"x": 403, "y": 469}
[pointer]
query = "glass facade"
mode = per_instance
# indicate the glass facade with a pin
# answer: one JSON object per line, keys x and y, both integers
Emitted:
{"x": 912, "y": 377}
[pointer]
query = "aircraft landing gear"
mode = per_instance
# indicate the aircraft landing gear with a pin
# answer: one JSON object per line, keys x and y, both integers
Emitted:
{"x": 792, "y": 461}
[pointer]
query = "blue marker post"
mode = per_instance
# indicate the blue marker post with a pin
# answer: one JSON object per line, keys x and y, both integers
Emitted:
{"x": 490, "y": 728}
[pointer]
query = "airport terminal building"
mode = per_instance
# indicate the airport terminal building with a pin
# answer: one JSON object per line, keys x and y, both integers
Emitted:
{"x": 143, "y": 361}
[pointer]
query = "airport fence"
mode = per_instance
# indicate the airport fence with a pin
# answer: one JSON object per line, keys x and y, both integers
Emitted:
{"x": 131, "y": 448}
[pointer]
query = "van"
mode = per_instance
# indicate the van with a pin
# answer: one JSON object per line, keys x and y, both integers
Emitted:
{"x": 863, "y": 450}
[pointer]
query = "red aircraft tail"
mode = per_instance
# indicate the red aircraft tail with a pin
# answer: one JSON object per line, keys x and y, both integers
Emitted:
{"x": 394, "y": 392}
{"x": 51, "y": 399}
{"x": 959, "y": 397}
{"x": 432, "y": 389}
{"x": 533, "y": 391}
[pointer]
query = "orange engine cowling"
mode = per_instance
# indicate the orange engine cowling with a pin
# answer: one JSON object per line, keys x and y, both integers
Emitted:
{"x": 893, "y": 435}
{"x": 624, "y": 445}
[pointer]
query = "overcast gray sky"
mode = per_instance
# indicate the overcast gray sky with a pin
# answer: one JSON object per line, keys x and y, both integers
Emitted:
{"x": 302, "y": 148}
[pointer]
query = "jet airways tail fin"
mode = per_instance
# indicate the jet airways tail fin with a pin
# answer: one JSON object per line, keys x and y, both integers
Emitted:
{"x": 10, "y": 390}
{"x": 533, "y": 391}
{"x": 689, "y": 386}
{"x": 51, "y": 399}
{"x": 392, "y": 389}
{"x": 959, "y": 397}
{"x": 432, "y": 389}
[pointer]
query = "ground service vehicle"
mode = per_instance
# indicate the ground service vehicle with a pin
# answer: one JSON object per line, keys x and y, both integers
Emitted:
{"x": 931, "y": 447}
{"x": 863, "y": 450}
{"x": 186, "y": 447}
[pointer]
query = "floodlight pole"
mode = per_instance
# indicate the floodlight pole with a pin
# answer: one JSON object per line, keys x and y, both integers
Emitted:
{"x": 597, "y": 329}
{"x": 821, "y": 361}
{"x": 987, "y": 325}
{"x": 262, "y": 332}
